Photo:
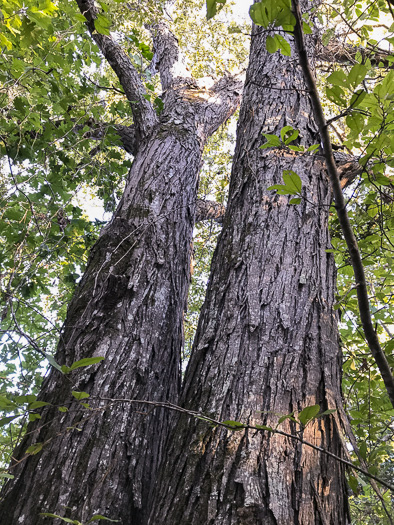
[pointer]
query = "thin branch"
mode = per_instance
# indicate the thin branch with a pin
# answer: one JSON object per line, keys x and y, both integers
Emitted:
{"x": 199, "y": 415}
{"x": 340, "y": 205}
{"x": 145, "y": 117}
{"x": 106, "y": 88}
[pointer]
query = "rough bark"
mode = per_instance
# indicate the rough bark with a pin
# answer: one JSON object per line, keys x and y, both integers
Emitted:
{"x": 209, "y": 210}
{"x": 128, "y": 308}
{"x": 339, "y": 52}
{"x": 267, "y": 341}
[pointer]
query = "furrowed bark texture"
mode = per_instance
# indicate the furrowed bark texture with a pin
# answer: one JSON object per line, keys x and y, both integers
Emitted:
{"x": 267, "y": 341}
{"x": 129, "y": 309}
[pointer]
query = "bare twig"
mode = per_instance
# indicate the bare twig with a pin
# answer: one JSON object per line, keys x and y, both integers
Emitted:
{"x": 208, "y": 419}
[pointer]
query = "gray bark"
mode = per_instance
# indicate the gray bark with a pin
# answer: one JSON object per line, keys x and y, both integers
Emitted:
{"x": 267, "y": 342}
{"x": 129, "y": 309}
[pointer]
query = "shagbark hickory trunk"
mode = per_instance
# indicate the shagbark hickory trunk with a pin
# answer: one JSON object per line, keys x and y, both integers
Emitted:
{"x": 267, "y": 341}
{"x": 129, "y": 309}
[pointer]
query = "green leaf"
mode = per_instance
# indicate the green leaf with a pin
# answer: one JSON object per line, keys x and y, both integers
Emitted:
{"x": 296, "y": 148}
{"x": 357, "y": 74}
{"x": 5, "y": 420}
{"x": 66, "y": 520}
{"x": 264, "y": 427}
{"x": 34, "y": 449}
{"x": 353, "y": 483}
{"x": 292, "y": 181}
{"x": 5, "y": 42}
{"x": 63, "y": 409}
{"x": 37, "y": 404}
{"x": 331, "y": 410}
{"x": 284, "y": 45}
{"x": 286, "y": 416}
{"x": 213, "y": 7}
{"x": 314, "y": 147}
{"x": 288, "y": 134}
{"x": 276, "y": 187}
{"x": 285, "y": 131}
{"x": 355, "y": 122}
{"x": 363, "y": 450}
{"x": 88, "y": 361}
{"x": 296, "y": 200}
{"x": 6, "y": 404}
{"x": 234, "y": 425}
{"x": 272, "y": 141}
{"x": 271, "y": 44}
{"x": 6, "y": 475}
{"x": 338, "y": 78}
{"x": 102, "y": 24}
{"x": 52, "y": 362}
{"x": 306, "y": 28}
{"x": 357, "y": 98}
{"x": 33, "y": 417}
{"x": 308, "y": 413}
{"x": 79, "y": 395}
{"x": 258, "y": 15}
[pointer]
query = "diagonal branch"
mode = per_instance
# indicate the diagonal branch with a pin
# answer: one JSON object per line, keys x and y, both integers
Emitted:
{"x": 342, "y": 53}
{"x": 238, "y": 426}
{"x": 168, "y": 59}
{"x": 223, "y": 99}
{"x": 340, "y": 205}
{"x": 209, "y": 210}
{"x": 127, "y": 134}
{"x": 144, "y": 115}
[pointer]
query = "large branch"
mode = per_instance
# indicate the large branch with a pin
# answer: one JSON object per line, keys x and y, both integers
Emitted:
{"x": 209, "y": 210}
{"x": 342, "y": 53}
{"x": 222, "y": 100}
{"x": 126, "y": 134}
{"x": 144, "y": 115}
{"x": 348, "y": 168}
{"x": 168, "y": 59}
{"x": 340, "y": 205}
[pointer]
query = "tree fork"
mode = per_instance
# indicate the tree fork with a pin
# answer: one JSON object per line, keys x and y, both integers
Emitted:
{"x": 267, "y": 342}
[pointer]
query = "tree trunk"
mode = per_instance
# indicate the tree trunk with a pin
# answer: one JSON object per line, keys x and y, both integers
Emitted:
{"x": 129, "y": 309}
{"x": 267, "y": 341}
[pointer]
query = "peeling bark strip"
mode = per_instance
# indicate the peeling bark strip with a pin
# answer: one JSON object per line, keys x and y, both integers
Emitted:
{"x": 129, "y": 309}
{"x": 267, "y": 341}
{"x": 340, "y": 205}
